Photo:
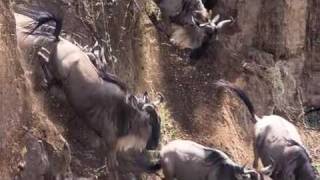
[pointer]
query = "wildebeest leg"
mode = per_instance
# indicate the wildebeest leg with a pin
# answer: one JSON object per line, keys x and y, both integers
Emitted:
{"x": 47, "y": 76}
{"x": 112, "y": 165}
{"x": 256, "y": 155}
{"x": 49, "y": 80}
{"x": 168, "y": 169}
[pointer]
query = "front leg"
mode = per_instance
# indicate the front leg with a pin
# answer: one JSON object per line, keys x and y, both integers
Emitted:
{"x": 256, "y": 156}
{"x": 112, "y": 165}
{"x": 48, "y": 79}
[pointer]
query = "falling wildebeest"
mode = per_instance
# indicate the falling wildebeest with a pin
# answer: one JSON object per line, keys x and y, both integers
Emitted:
{"x": 187, "y": 160}
{"x": 277, "y": 141}
{"x": 122, "y": 120}
{"x": 192, "y": 25}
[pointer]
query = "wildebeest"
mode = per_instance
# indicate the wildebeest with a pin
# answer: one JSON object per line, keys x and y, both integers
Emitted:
{"x": 192, "y": 25}
{"x": 187, "y": 160}
{"x": 122, "y": 120}
{"x": 277, "y": 141}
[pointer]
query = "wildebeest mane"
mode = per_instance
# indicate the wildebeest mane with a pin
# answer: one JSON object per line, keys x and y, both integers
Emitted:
{"x": 213, "y": 157}
{"x": 109, "y": 77}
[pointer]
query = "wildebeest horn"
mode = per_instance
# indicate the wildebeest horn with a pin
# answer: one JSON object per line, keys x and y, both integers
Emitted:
{"x": 249, "y": 171}
{"x": 223, "y": 23}
{"x": 193, "y": 20}
{"x": 210, "y": 14}
{"x": 159, "y": 100}
{"x": 146, "y": 97}
{"x": 215, "y": 19}
{"x": 204, "y": 24}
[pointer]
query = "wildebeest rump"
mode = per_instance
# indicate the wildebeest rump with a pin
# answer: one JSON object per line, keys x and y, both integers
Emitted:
{"x": 123, "y": 121}
{"x": 187, "y": 160}
{"x": 277, "y": 141}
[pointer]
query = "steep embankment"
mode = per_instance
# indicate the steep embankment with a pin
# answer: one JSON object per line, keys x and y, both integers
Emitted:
{"x": 271, "y": 51}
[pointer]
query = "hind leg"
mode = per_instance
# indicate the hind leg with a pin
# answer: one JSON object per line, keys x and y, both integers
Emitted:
{"x": 256, "y": 153}
{"x": 48, "y": 79}
{"x": 168, "y": 169}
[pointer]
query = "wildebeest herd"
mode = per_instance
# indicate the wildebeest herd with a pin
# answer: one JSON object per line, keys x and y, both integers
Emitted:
{"x": 126, "y": 122}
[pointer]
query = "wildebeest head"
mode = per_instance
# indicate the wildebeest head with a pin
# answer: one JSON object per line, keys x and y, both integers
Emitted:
{"x": 212, "y": 26}
{"x": 244, "y": 173}
{"x": 197, "y": 35}
{"x": 143, "y": 131}
{"x": 154, "y": 120}
{"x": 251, "y": 174}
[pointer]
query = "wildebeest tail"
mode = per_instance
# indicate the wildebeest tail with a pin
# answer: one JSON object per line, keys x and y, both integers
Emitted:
{"x": 42, "y": 17}
{"x": 241, "y": 94}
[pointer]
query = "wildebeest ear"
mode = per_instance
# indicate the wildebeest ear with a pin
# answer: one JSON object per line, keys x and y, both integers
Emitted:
{"x": 146, "y": 97}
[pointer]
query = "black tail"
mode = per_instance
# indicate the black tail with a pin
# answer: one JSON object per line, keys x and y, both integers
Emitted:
{"x": 241, "y": 94}
{"x": 42, "y": 17}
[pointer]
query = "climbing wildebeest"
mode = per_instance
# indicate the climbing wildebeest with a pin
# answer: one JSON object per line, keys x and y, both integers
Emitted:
{"x": 192, "y": 25}
{"x": 122, "y": 120}
{"x": 277, "y": 141}
{"x": 187, "y": 160}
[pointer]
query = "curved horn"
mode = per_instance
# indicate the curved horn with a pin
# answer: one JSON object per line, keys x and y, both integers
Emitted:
{"x": 146, "y": 97}
{"x": 204, "y": 24}
{"x": 148, "y": 105}
{"x": 249, "y": 171}
{"x": 215, "y": 19}
{"x": 159, "y": 100}
{"x": 193, "y": 20}
{"x": 223, "y": 23}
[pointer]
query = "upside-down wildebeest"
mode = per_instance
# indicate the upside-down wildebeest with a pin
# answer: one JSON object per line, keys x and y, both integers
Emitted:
{"x": 277, "y": 141}
{"x": 187, "y": 160}
{"x": 122, "y": 120}
{"x": 192, "y": 25}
